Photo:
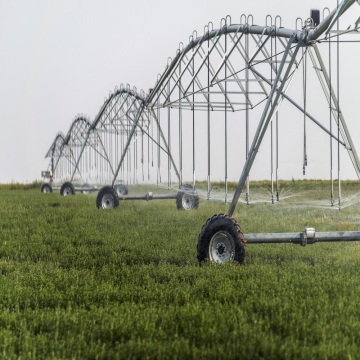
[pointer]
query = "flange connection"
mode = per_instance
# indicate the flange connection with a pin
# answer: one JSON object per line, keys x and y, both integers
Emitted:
{"x": 308, "y": 233}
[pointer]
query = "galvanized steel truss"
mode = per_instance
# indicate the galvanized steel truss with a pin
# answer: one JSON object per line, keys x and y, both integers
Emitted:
{"x": 234, "y": 69}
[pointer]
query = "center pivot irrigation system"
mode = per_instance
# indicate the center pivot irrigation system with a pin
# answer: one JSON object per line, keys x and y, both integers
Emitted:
{"x": 194, "y": 110}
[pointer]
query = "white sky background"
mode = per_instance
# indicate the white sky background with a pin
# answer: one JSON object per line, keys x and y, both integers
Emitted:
{"x": 59, "y": 58}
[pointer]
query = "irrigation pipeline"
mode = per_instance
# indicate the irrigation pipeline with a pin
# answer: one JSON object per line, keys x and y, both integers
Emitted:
{"x": 307, "y": 237}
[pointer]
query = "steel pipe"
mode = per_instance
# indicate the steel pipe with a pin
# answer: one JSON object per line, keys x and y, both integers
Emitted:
{"x": 308, "y": 236}
{"x": 148, "y": 196}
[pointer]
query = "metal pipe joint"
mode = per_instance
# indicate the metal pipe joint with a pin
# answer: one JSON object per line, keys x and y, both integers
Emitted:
{"x": 308, "y": 233}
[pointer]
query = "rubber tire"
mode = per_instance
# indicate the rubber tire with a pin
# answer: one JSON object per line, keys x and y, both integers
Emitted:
{"x": 107, "y": 191}
{"x": 217, "y": 224}
{"x": 186, "y": 187}
{"x": 67, "y": 185}
{"x": 46, "y": 188}
{"x": 180, "y": 199}
{"x": 121, "y": 189}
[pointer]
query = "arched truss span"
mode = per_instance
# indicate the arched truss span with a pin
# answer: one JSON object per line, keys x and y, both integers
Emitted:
{"x": 65, "y": 149}
{"x": 55, "y": 149}
{"x": 243, "y": 67}
{"x": 78, "y": 131}
{"x": 55, "y": 153}
{"x": 115, "y": 143}
{"x": 242, "y": 57}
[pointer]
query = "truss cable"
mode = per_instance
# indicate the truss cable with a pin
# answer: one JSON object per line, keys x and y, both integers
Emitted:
{"x": 247, "y": 137}
{"x": 226, "y": 124}
{"x": 271, "y": 122}
{"x": 101, "y": 138}
{"x": 180, "y": 130}
{"x": 135, "y": 159}
{"x": 304, "y": 98}
{"x": 128, "y": 180}
{"x": 89, "y": 163}
{"x": 158, "y": 148}
{"x": 107, "y": 150}
{"x": 169, "y": 143}
{"x": 331, "y": 141}
{"x": 208, "y": 119}
{"x": 152, "y": 143}
{"x": 338, "y": 108}
{"x": 148, "y": 147}
{"x": 142, "y": 155}
{"x": 96, "y": 161}
{"x": 277, "y": 114}
{"x": 117, "y": 146}
{"x": 121, "y": 135}
{"x": 193, "y": 121}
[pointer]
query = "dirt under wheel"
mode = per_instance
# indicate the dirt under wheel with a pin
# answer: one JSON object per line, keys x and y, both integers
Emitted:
{"x": 67, "y": 189}
{"x": 46, "y": 188}
{"x": 187, "y": 200}
{"x": 221, "y": 240}
{"x": 107, "y": 198}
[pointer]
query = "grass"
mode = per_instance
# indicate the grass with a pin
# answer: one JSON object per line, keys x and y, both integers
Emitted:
{"x": 81, "y": 283}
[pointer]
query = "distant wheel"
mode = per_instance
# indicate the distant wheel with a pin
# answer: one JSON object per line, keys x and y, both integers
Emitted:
{"x": 85, "y": 190}
{"x": 67, "y": 189}
{"x": 107, "y": 198}
{"x": 187, "y": 187}
{"x": 221, "y": 240}
{"x": 121, "y": 189}
{"x": 46, "y": 188}
{"x": 187, "y": 200}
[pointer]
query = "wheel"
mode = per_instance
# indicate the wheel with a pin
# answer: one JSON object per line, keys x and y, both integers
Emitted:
{"x": 121, "y": 189}
{"x": 221, "y": 240}
{"x": 107, "y": 198}
{"x": 85, "y": 189}
{"x": 187, "y": 200}
{"x": 46, "y": 188}
{"x": 186, "y": 187}
{"x": 67, "y": 189}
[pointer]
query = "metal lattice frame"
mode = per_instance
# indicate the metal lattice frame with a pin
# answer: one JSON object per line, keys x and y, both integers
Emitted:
{"x": 64, "y": 151}
{"x": 234, "y": 69}
{"x": 110, "y": 150}
{"x": 227, "y": 74}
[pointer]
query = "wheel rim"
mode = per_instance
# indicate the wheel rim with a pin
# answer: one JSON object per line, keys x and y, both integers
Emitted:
{"x": 107, "y": 201}
{"x": 221, "y": 247}
{"x": 187, "y": 201}
{"x": 46, "y": 189}
{"x": 67, "y": 191}
{"x": 120, "y": 190}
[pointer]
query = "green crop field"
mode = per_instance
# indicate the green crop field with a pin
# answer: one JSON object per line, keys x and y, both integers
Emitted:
{"x": 77, "y": 282}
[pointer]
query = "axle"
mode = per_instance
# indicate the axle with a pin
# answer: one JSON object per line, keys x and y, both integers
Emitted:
{"x": 148, "y": 196}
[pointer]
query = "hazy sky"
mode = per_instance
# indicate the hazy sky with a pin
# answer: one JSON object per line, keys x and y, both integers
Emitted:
{"x": 59, "y": 58}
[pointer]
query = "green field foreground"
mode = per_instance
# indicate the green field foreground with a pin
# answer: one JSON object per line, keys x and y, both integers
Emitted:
{"x": 77, "y": 282}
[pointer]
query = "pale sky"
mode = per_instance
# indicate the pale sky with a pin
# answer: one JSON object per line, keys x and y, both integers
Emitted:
{"x": 59, "y": 58}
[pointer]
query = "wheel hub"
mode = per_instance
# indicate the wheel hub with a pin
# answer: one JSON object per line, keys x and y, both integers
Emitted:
{"x": 108, "y": 202}
{"x": 187, "y": 201}
{"x": 221, "y": 247}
